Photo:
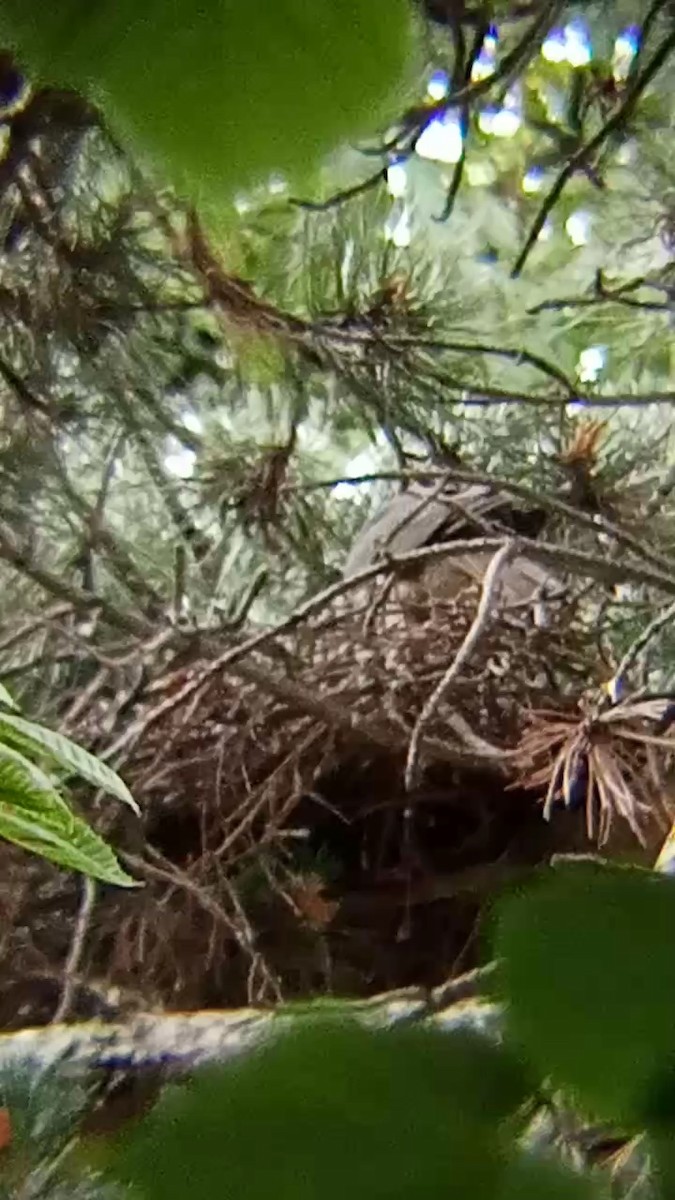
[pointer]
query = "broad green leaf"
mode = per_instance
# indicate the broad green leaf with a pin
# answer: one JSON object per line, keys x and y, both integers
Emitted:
{"x": 67, "y": 754}
{"x": 38, "y": 818}
{"x": 341, "y": 1111}
{"x": 58, "y": 835}
{"x": 226, "y": 91}
{"x": 32, "y": 777}
{"x": 589, "y": 977}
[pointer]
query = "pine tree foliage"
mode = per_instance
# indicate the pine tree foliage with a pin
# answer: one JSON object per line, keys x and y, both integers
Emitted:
{"x": 186, "y": 417}
{"x": 169, "y": 431}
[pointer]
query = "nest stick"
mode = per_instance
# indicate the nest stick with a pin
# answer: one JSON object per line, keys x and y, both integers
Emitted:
{"x": 478, "y": 625}
{"x": 76, "y": 947}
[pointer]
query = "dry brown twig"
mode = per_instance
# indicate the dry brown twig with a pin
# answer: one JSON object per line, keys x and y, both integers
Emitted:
{"x": 589, "y": 564}
{"x": 483, "y": 614}
{"x": 76, "y": 948}
{"x": 240, "y": 931}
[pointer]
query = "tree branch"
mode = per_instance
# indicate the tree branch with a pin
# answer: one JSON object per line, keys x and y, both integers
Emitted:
{"x": 604, "y": 295}
{"x": 484, "y": 612}
{"x": 412, "y": 124}
{"x": 395, "y": 342}
{"x": 80, "y": 600}
{"x": 341, "y": 197}
{"x": 577, "y": 160}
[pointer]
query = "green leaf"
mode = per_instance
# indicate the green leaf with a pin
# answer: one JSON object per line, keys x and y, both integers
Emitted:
{"x": 589, "y": 975}
{"x": 67, "y": 754}
{"x": 33, "y": 777}
{"x": 342, "y": 1111}
{"x": 41, "y": 822}
{"x": 58, "y": 835}
{"x": 225, "y": 91}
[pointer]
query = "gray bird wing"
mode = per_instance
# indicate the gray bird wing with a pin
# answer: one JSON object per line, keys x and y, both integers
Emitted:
{"x": 521, "y": 580}
{"x": 406, "y": 522}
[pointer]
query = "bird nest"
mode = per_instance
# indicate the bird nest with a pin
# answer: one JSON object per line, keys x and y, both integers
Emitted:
{"x": 330, "y": 809}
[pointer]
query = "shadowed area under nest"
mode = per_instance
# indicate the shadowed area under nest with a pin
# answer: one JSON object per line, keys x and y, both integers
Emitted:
{"x": 280, "y": 853}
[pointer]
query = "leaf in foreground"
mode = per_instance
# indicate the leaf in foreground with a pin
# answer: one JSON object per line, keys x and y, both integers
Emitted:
{"x": 67, "y": 754}
{"x": 41, "y": 821}
{"x": 224, "y": 92}
{"x": 589, "y": 976}
{"x": 73, "y": 845}
{"x": 333, "y": 1111}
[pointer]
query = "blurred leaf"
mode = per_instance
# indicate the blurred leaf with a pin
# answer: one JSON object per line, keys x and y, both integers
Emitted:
{"x": 67, "y": 754}
{"x": 40, "y": 821}
{"x": 589, "y": 975}
{"x": 334, "y": 1111}
{"x": 531, "y": 1178}
{"x": 225, "y": 92}
{"x": 33, "y": 777}
{"x": 44, "y": 1116}
{"x": 662, "y": 1147}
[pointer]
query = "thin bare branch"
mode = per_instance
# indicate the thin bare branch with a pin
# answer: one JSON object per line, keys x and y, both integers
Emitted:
{"x": 578, "y": 160}
{"x": 484, "y": 614}
{"x": 75, "y": 952}
{"x": 77, "y": 598}
{"x": 463, "y": 70}
{"x": 411, "y": 125}
{"x": 341, "y": 197}
{"x": 397, "y": 342}
{"x": 485, "y": 397}
{"x": 602, "y": 294}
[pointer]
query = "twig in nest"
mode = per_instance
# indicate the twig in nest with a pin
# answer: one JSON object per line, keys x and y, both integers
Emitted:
{"x": 243, "y": 936}
{"x": 76, "y": 947}
{"x": 483, "y": 614}
{"x": 378, "y": 600}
